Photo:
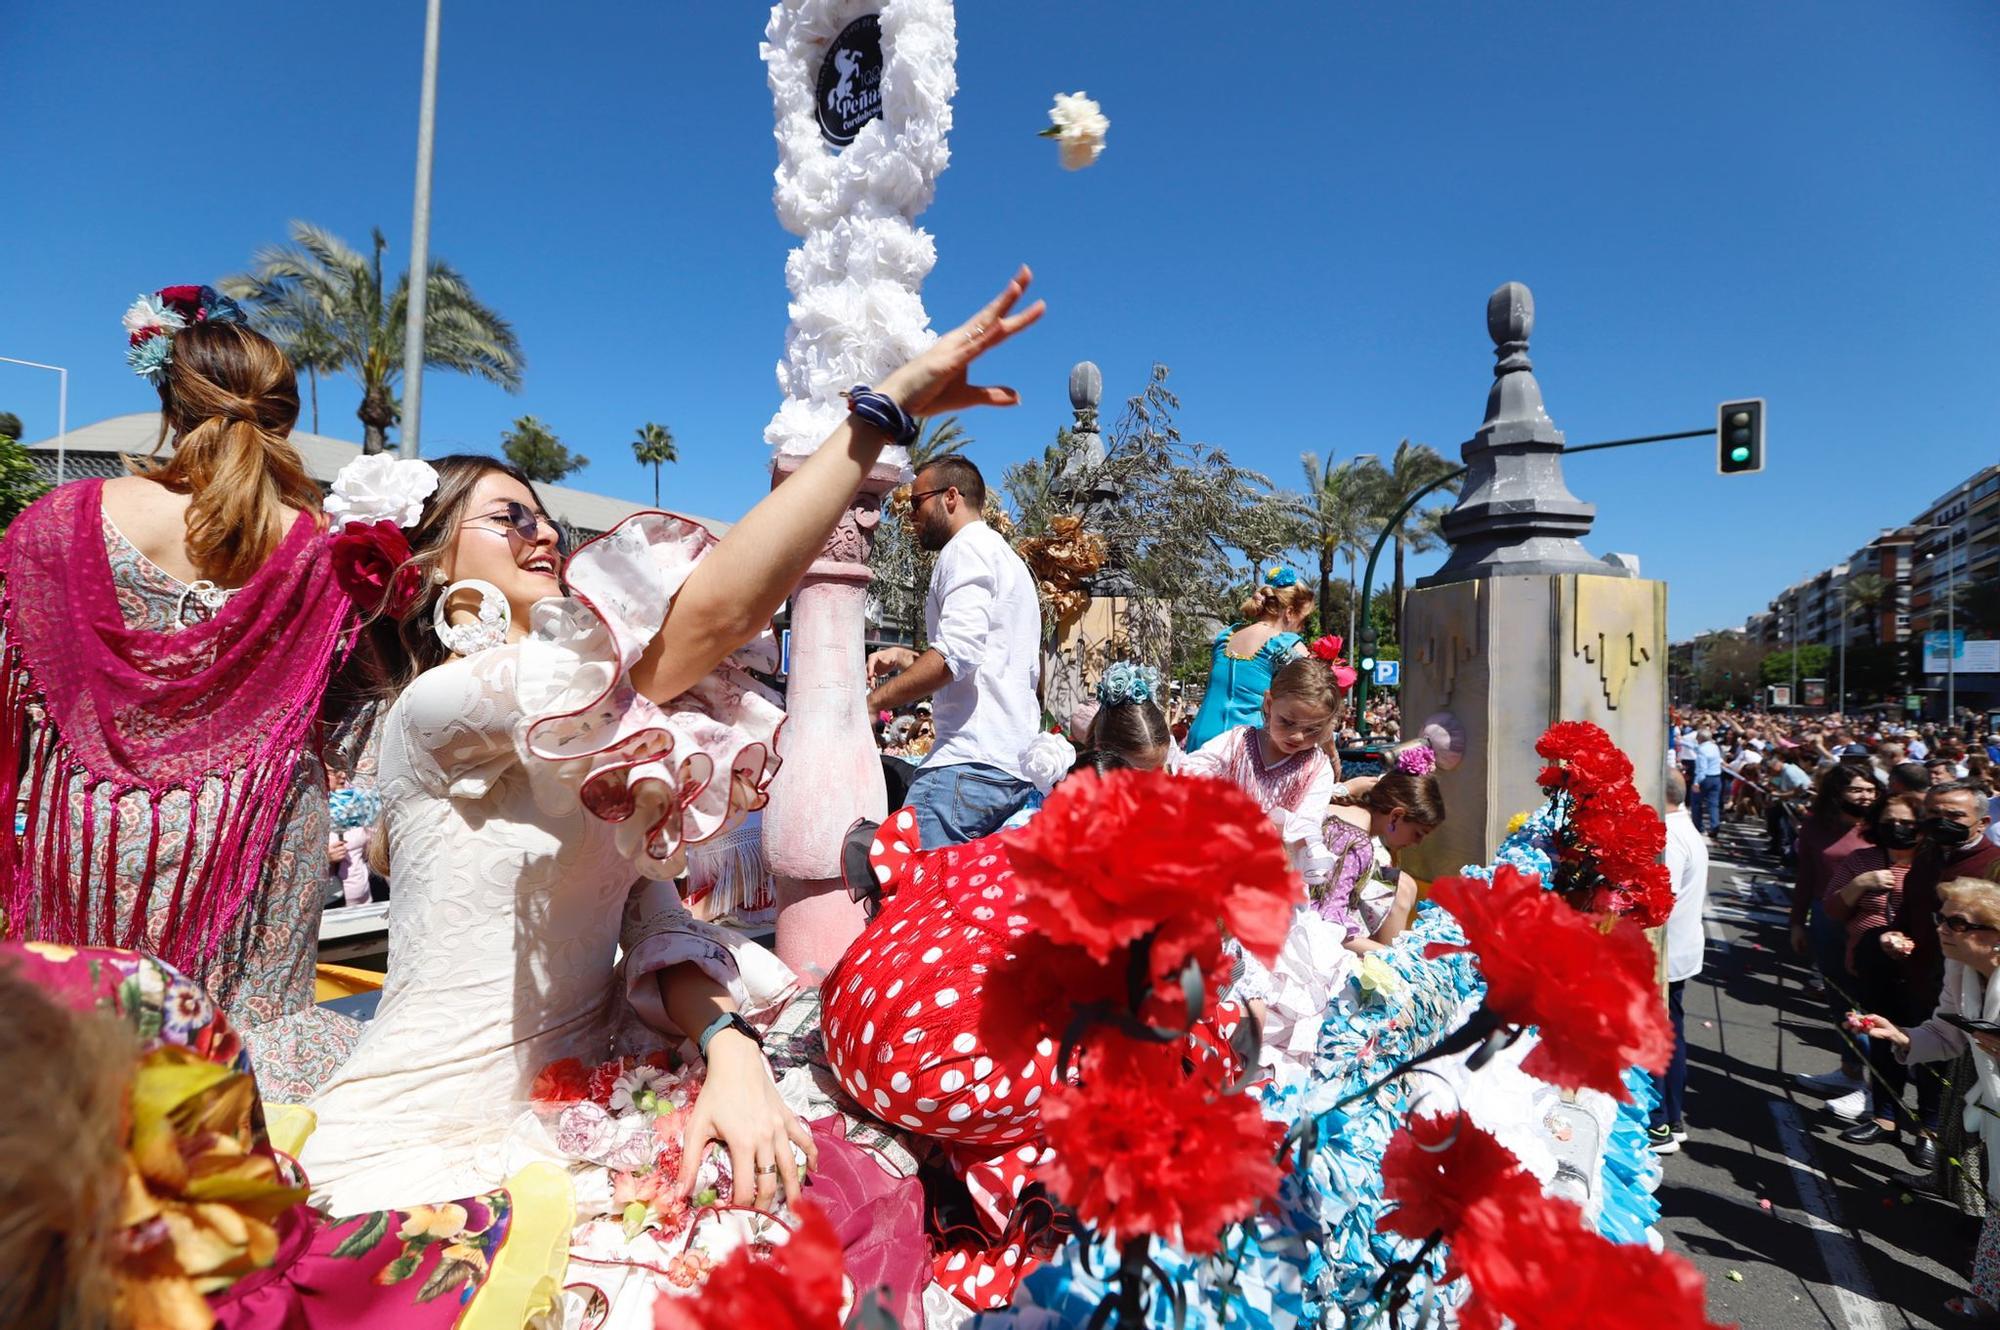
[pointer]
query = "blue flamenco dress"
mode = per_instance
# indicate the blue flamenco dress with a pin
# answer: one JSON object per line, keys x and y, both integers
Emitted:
{"x": 1237, "y": 684}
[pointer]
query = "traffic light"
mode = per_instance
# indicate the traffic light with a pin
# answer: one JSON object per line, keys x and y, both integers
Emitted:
{"x": 1739, "y": 437}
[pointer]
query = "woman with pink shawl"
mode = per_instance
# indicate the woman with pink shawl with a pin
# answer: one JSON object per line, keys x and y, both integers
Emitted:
{"x": 166, "y": 641}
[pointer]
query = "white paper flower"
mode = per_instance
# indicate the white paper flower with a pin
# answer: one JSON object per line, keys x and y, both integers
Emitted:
{"x": 1078, "y": 126}
{"x": 1046, "y": 760}
{"x": 147, "y": 312}
{"x": 381, "y": 487}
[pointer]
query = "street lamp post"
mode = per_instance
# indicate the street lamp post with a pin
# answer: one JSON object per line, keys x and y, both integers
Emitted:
{"x": 62, "y": 411}
{"x": 420, "y": 242}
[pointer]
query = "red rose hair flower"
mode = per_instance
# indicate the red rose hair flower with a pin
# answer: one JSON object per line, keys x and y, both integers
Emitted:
{"x": 1110, "y": 858}
{"x": 798, "y": 1286}
{"x": 1585, "y": 981}
{"x": 371, "y": 562}
{"x": 1140, "y": 1148}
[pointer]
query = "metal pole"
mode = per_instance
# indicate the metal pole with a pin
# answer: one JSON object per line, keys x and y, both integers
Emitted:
{"x": 1352, "y": 592}
{"x": 1795, "y": 655}
{"x": 1843, "y": 651}
{"x": 62, "y": 411}
{"x": 420, "y": 242}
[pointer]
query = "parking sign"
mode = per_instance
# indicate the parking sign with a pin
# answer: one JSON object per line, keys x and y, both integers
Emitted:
{"x": 1388, "y": 673}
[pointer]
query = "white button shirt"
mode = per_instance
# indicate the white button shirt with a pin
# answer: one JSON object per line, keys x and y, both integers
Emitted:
{"x": 983, "y": 618}
{"x": 1687, "y": 863}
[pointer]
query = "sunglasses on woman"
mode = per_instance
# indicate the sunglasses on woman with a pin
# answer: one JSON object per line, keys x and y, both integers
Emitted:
{"x": 524, "y": 523}
{"x": 1959, "y": 924}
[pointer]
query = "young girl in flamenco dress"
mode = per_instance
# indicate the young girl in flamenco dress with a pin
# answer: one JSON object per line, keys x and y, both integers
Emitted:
{"x": 1282, "y": 762}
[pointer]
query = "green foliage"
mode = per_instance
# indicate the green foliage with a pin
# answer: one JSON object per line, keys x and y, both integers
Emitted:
{"x": 654, "y": 447}
{"x": 1727, "y": 669}
{"x": 328, "y": 306}
{"x": 20, "y": 483}
{"x": 534, "y": 448}
{"x": 10, "y": 425}
{"x": 1813, "y": 663}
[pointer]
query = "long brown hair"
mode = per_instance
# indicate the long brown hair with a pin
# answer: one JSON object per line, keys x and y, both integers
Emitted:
{"x": 404, "y": 646}
{"x": 1420, "y": 798}
{"x": 60, "y": 1164}
{"x": 1310, "y": 680}
{"x": 228, "y": 404}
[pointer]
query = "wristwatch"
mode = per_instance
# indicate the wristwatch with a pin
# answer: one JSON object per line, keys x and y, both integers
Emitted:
{"x": 1340, "y": 790}
{"x": 729, "y": 1020}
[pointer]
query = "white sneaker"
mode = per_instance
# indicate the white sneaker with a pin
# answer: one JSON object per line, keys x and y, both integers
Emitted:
{"x": 1849, "y": 1106}
{"x": 1829, "y": 1083}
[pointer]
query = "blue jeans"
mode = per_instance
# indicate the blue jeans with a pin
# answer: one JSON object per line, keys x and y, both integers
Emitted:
{"x": 964, "y": 801}
{"x": 1673, "y": 1086}
{"x": 1708, "y": 800}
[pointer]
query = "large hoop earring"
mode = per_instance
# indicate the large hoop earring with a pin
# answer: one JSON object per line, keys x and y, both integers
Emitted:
{"x": 495, "y": 620}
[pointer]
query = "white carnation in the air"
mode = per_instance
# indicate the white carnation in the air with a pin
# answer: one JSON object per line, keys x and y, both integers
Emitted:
{"x": 1078, "y": 126}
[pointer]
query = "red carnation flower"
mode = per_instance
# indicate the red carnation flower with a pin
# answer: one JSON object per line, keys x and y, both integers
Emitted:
{"x": 798, "y": 1286}
{"x": 1110, "y": 858}
{"x": 1586, "y": 981}
{"x": 1140, "y": 1149}
{"x": 371, "y": 562}
{"x": 1530, "y": 1260}
{"x": 1437, "y": 1169}
{"x": 560, "y": 1084}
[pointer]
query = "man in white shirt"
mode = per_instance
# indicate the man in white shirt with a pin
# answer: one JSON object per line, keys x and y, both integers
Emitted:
{"x": 1707, "y": 782}
{"x": 1687, "y": 863}
{"x": 982, "y": 667}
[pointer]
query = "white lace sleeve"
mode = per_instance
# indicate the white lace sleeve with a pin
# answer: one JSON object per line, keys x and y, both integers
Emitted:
{"x": 659, "y": 934}
{"x": 456, "y": 723}
{"x": 665, "y": 777}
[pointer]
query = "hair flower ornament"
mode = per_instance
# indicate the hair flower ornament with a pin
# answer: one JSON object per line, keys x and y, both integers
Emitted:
{"x": 1127, "y": 683}
{"x": 152, "y": 321}
{"x": 1278, "y": 575}
{"x": 1327, "y": 651}
{"x": 374, "y": 497}
{"x": 1416, "y": 760}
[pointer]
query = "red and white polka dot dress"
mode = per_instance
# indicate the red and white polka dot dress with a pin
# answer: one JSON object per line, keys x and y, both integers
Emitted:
{"x": 901, "y": 1016}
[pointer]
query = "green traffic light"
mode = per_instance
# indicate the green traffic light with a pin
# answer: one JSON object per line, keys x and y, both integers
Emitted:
{"x": 1739, "y": 454}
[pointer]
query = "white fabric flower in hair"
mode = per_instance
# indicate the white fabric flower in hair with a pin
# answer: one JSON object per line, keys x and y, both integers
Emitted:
{"x": 381, "y": 487}
{"x": 147, "y": 312}
{"x": 1078, "y": 126}
{"x": 1046, "y": 760}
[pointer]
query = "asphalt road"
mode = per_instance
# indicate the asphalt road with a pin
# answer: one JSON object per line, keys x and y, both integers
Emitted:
{"x": 1845, "y": 1242}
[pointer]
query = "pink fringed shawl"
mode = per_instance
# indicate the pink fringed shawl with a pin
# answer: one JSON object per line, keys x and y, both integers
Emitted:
{"x": 232, "y": 700}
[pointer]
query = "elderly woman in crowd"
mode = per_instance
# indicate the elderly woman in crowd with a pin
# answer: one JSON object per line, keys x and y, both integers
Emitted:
{"x": 1967, "y": 1015}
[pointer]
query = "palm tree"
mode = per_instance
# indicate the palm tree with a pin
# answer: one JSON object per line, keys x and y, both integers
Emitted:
{"x": 941, "y": 436}
{"x": 1868, "y": 591}
{"x": 1413, "y": 467}
{"x": 1339, "y": 515}
{"x": 318, "y": 282}
{"x": 653, "y": 447}
{"x": 295, "y": 319}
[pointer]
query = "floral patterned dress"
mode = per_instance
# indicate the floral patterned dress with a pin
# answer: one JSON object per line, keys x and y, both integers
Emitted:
{"x": 263, "y": 974}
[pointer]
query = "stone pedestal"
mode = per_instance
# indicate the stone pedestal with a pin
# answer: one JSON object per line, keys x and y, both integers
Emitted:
{"x": 1509, "y": 656}
{"x": 832, "y": 772}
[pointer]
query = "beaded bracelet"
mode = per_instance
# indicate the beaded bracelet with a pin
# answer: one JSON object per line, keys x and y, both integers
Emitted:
{"x": 881, "y": 411}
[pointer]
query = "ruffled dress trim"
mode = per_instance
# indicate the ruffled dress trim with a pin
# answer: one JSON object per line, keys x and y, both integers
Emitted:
{"x": 665, "y": 777}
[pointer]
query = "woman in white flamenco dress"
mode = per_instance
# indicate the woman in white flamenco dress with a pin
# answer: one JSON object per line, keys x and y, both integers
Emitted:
{"x": 578, "y": 744}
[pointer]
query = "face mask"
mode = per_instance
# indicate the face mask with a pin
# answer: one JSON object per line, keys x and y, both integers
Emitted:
{"x": 1897, "y": 835}
{"x": 1944, "y": 833}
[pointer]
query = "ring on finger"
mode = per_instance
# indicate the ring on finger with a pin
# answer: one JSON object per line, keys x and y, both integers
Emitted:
{"x": 975, "y": 332}
{"x": 767, "y": 1170}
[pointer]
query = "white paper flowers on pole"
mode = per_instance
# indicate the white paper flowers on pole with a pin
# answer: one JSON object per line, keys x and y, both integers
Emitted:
{"x": 855, "y": 281}
{"x": 1078, "y": 126}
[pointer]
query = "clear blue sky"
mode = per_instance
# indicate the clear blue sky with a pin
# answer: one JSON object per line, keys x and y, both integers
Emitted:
{"x": 1302, "y": 210}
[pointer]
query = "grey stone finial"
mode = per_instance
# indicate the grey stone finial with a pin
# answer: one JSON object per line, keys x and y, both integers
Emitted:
{"x": 1515, "y": 514}
{"x": 1086, "y": 387}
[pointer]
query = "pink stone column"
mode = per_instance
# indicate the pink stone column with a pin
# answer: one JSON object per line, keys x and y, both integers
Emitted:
{"x": 832, "y": 773}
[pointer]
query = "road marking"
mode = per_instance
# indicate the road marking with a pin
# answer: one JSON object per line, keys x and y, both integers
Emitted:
{"x": 1847, "y": 1273}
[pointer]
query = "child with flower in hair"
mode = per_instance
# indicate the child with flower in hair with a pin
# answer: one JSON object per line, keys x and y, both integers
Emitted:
{"x": 1360, "y": 887}
{"x": 1282, "y": 762}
